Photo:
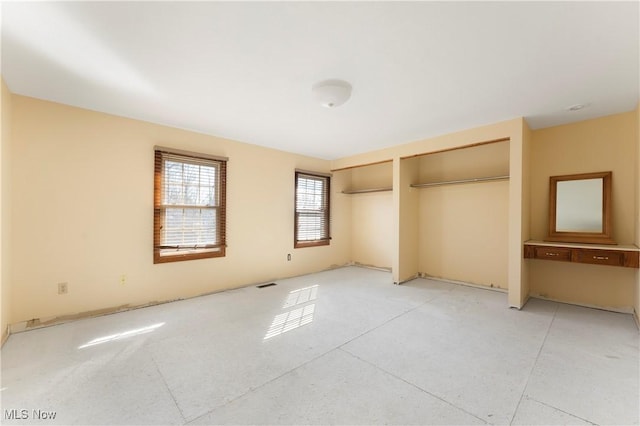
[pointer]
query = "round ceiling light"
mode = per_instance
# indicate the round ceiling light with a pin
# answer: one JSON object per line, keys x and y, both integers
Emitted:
{"x": 576, "y": 107}
{"x": 332, "y": 93}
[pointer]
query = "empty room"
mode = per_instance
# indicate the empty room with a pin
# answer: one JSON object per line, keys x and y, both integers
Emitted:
{"x": 320, "y": 213}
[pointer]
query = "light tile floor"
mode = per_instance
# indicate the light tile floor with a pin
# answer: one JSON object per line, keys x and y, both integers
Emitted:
{"x": 339, "y": 347}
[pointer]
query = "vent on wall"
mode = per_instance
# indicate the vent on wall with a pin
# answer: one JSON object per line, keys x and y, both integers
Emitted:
{"x": 265, "y": 285}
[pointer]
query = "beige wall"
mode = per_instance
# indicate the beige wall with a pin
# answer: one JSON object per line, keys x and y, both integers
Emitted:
{"x": 372, "y": 229}
{"x": 79, "y": 213}
{"x": 468, "y": 163}
{"x": 378, "y": 175}
{"x": 453, "y": 215}
{"x": 82, "y": 213}
{"x": 464, "y": 232}
{"x": 525, "y": 275}
{"x": 406, "y": 201}
{"x": 608, "y": 143}
{"x": 605, "y": 287}
{"x": 5, "y": 209}
{"x": 406, "y": 221}
{"x": 371, "y": 215}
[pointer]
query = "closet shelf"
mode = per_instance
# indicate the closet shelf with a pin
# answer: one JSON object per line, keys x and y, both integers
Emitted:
{"x": 453, "y": 182}
{"x": 365, "y": 191}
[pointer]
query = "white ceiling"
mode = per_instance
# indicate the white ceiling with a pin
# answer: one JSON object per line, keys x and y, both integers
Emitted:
{"x": 245, "y": 70}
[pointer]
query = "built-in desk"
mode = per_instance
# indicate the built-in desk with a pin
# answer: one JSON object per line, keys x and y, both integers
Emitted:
{"x": 611, "y": 255}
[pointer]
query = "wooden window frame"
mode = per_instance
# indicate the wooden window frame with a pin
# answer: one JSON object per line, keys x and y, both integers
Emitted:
{"x": 211, "y": 251}
{"x": 327, "y": 211}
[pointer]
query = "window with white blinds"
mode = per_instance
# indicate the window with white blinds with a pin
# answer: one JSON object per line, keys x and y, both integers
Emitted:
{"x": 189, "y": 211}
{"x": 312, "y": 210}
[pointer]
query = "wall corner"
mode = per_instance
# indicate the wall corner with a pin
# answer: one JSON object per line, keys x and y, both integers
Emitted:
{"x": 5, "y": 208}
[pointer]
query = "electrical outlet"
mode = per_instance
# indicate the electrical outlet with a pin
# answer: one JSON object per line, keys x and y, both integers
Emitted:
{"x": 123, "y": 279}
{"x": 289, "y": 257}
{"x": 63, "y": 288}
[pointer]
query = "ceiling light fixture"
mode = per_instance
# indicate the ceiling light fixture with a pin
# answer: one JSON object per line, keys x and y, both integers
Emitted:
{"x": 332, "y": 93}
{"x": 576, "y": 107}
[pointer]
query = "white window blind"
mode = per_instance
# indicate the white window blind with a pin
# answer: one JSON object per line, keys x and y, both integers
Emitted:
{"x": 189, "y": 207}
{"x": 312, "y": 218}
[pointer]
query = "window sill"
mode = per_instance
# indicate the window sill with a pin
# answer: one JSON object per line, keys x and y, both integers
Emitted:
{"x": 303, "y": 244}
{"x": 187, "y": 255}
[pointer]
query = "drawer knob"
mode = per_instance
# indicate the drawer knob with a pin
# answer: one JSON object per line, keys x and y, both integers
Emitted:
{"x": 551, "y": 254}
{"x": 601, "y": 257}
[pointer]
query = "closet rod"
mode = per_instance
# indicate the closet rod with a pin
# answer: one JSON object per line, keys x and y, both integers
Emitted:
{"x": 452, "y": 182}
{"x": 364, "y": 191}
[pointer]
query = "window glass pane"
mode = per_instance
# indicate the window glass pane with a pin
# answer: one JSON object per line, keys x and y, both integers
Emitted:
{"x": 190, "y": 227}
{"x": 189, "y": 184}
{"x": 205, "y": 197}
{"x": 191, "y": 173}
{"x": 173, "y": 218}
{"x": 173, "y": 227}
{"x": 173, "y": 172}
{"x": 189, "y": 202}
{"x": 173, "y": 194}
{"x": 208, "y": 232}
{"x": 173, "y": 237}
{"x": 191, "y": 195}
{"x": 207, "y": 176}
{"x": 310, "y": 194}
{"x": 312, "y": 208}
{"x": 310, "y": 227}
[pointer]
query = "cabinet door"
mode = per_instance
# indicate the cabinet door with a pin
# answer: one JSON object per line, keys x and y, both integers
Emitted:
{"x": 553, "y": 253}
{"x": 599, "y": 257}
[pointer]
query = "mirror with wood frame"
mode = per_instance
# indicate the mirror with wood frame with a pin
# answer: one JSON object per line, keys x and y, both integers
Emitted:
{"x": 580, "y": 208}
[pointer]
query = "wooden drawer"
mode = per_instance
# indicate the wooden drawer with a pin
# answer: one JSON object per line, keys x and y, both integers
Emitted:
{"x": 553, "y": 253}
{"x": 599, "y": 257}
{"x": 632, "y": 259}
{"x": 628, "y": 256}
